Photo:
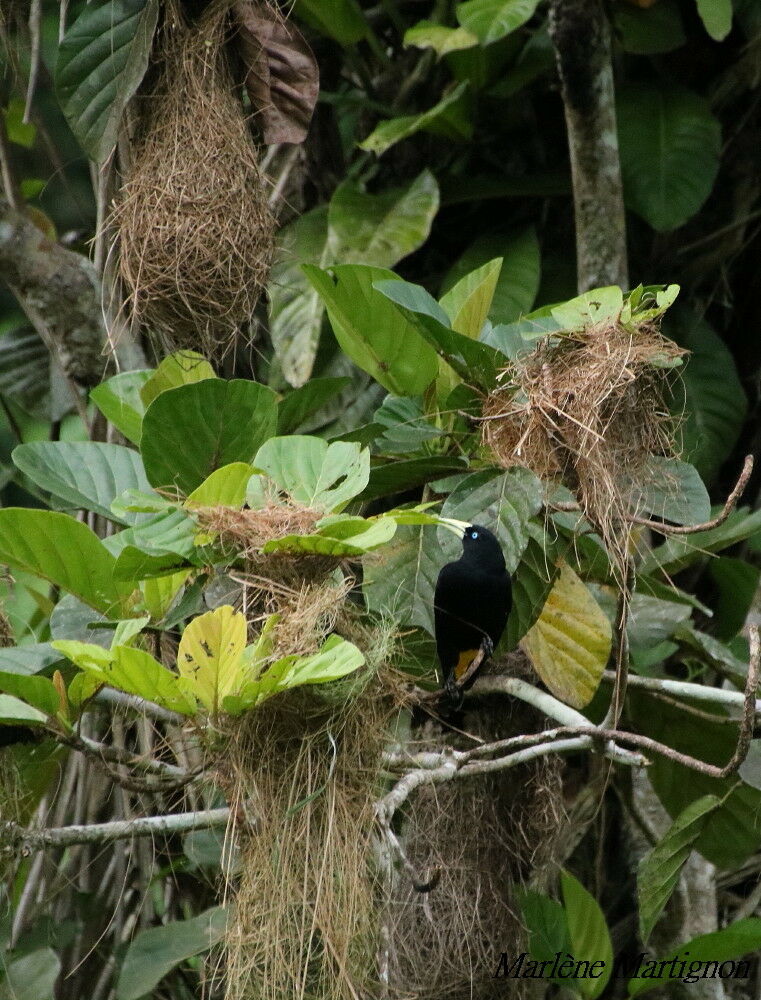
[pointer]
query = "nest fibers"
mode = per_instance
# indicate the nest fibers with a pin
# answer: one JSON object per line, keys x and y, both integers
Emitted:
{"x": 194, "y": 227}
{"x": 588, "y": 409}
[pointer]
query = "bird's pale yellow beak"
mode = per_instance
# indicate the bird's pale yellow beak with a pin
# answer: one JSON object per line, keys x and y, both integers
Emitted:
{"x": 458, "y": 527}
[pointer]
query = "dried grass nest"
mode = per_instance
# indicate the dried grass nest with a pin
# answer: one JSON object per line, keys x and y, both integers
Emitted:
{"x": 194, "y": 227}
{"x": 589, "y": 410}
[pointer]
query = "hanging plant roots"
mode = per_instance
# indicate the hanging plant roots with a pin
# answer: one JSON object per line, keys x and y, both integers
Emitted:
{"x": 589, "y": 409}
{"x": 195, "y": 232}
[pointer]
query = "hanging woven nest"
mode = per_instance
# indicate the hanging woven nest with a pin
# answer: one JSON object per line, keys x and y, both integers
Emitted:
{"x": 194, "y": 226}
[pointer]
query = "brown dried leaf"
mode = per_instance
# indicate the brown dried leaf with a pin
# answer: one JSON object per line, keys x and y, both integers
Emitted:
{"x": 282, "y": 77}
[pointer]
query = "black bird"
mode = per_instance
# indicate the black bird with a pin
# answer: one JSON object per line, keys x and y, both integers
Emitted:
{"x": 471, "y": 604}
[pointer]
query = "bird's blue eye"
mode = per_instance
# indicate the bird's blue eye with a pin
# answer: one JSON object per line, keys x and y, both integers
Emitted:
{"x": 474, "y": 534}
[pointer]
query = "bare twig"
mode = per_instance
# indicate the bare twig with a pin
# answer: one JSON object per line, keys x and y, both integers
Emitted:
{"x": 140, "y": 705}
{"x": 106, "y": 833}
{"x": 686, "y": 689}
{"x": 10, "y": 186}
{"x": 35, "y": 41}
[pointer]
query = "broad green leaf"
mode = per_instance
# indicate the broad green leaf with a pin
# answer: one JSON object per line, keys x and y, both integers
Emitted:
{"x": 170, "y": 532}
{"x": 225, "y": 487}
{"x": 709, "y": 394}
{"x": 380, "y": 229}
{"x": 336, "y": 659}
{"x": 295, "y": 309}
{"x": 750, "y": 769}
{"x": 372, "y": 331}
{"x": 180, "y": 368}
{"x": 331, "y": 541}
{"x": 736, "y": 583}
{"x": 518, "y": 281}
{"x": 63, "y": 551}
{"x": 569, "y": 644}
{"x": 669, "y": 144}
{"x": 677, "y": 553}
{"x": 501, "y": 501}
{"x": 475, "y": 362}
{"x": 532, "y": 582}
{"x": 35, "y": 658}
{"x": 298, "y": 405}
{"x": 671, "y": 491}
{"x": 400, "y": 578}
{"x": 159, "y": 592}
{"x": 128, "y": 630}
{"x": 209, "y": 655}
{"x": 468, "y": 302}
{"x": 18, "y": 131}
{"x": 83, "y": 474}
{"x": 491, "y": 20}
{"x": 443, "y": 118}
{"x": 716, "y": 16}
{"x": 190, "y": 431}
{"x": 120, "y": 402}
{"x": 314, "y": 473}
{"x": 659, "y": 870}
{"x": 25, "y": 370}
{"x": 427, "y": 35}
{"x": 589, "y": 935}
{"x": 341, "y": 20}
{"x": 650, "y": 31}
{"x": 594, "y": 306}
{"x": 396, "y": 477}
{"x": 14, "y": 712}
{"x": 731, "y": 832}
{"x": 547, "y": 926}
{"x": 130, "y": 670}
{"x": 741, "y": 938}
{"x": 101, "y": 62}
{"x": 407, "y": 428}
{"x": 712, "y": 651}
{"x": 155, "y": 952}
{"x": 39, "y": 692}
{"x": 33, "y": 976}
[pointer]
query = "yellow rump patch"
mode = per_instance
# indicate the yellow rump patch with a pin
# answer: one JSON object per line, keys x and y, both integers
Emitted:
{"x": 465, "y": 659}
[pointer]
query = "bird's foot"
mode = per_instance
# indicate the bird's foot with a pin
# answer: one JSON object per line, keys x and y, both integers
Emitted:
{"x": 455, "y": 696}
{"x": 487, "y": 647}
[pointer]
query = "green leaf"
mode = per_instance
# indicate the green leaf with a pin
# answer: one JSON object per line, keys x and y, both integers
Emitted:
{"x": 210, "y": 655}
{"x": 18, "y": 131}
{"x": 190, "y": 431}
{"x": 671, "y": 491}
{"x": 225, "y": 487}
{"x": 101, "y": 62}
{"x": 361, "y": 537}
{"x": 180, "y": 368}
{"x": 159, "y": 593}
{"x": 709, "y": 394}
{"x": 427, "y": 35}
{"x": 156, "y": 951}
{"x": 25, "y": 370}
{"x": 444, "y": 117}
{"x": 372, "y": 331}
{"x": 491, "y": 20}
{"x": 468, "y": 302}
{"x": 396, "y": 477}
{"x": 298, "y": 405}
{"x": 741, "y": 938}
{"x": 119, "y": 400}
{"x": 594, "y": 306}
{"x": 35, "y": 658}
{"x": 649, "y": 31}
{"x": 14, "y": 712}
{"x": 532, "y": 582}
{"x": 400, "y": 578}
{"x": 659, "y": 870}
{"x": 711, "y": 651}
{"x": 588, "y": 931}
{"x": 518, "y": 281}
{"x": 547, "y": 926}
{"x": 716, "y": 16}
{"x": 677, "y": 553}
{"x": 39, "y": 692}
{"x": 669, "y": 144}
{"x": 474, "y": 362}
{"x": 501, "y": 501}
{"x": 342, "y": 20}
{"x": 736, "y": 582}
{"x": 315, "y": 473}
{"x": 33, "y": 976}
{"x": 569, "y": 644}
{"x": 157, "y": 547}
{"x": 406, "y": 427}
{"x": 83, "y": 474}
{"x": 63, "y": 551}
{"x": 731, "y": 833}
{"x": 130, "y": 670}
{"x": 380, "y": 229}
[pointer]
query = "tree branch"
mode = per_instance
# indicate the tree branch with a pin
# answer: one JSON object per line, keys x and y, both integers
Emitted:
{"x": 107, "y": 833}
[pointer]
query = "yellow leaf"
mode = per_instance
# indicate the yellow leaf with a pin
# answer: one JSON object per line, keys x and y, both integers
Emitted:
{"x": 210, "y": 655}
{"x": 569, "y": 644}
